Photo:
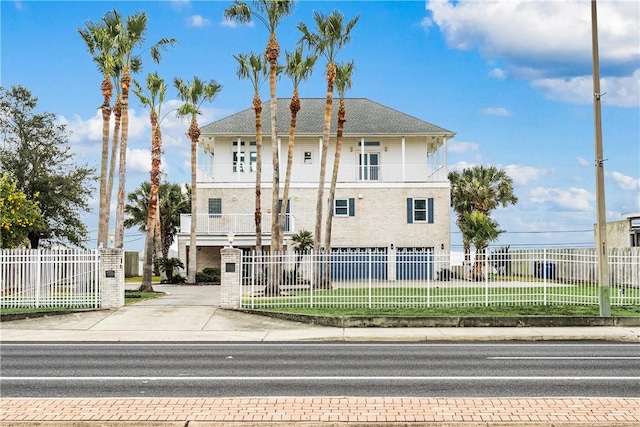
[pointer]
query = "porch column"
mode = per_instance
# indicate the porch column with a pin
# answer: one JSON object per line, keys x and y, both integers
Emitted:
{"x": 238, "y": 147}
{"x": 362, "y": 175}
{"x": 230, "y": 277}
{"x": 403, "y": 160}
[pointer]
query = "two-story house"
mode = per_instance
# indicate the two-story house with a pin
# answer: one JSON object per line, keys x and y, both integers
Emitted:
{"x": 392, "y": 192}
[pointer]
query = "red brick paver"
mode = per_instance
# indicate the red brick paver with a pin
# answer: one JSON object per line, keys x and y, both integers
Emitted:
{"x": 377, "y": 410}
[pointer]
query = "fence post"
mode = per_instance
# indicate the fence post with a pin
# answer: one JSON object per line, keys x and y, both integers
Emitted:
{"x": 38, "y": 268}
{"x": 111, "y": 278}
{"x": 370, "y": 270}
{"x": 544, "y": 274}
{"x": 230, "y": 277}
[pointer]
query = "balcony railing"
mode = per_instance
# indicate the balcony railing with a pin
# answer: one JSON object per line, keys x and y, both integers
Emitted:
{"x": 222, "y": 224}
{"x": 310, "y": 173}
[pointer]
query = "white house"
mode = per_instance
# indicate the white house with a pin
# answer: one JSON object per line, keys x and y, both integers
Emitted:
{"x": 392, "y": 192}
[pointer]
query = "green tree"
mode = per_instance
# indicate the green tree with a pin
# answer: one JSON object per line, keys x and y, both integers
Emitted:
{"x": 343, "y": 83}
{"x": 36, "y": 152}
{"x": 481, "y": 189}
{"x": 331, "y": 35}
{"x": 18, "y": 215}
{"x": 129, "y": 36}
{"x": 193, "y": 94}
{"x": 254, "y": 68}
{"x": 298, "y": 69}
{"x": 152, "y": 98}
{"x": 270, "y": 13}
{"x": 480, "y": 230}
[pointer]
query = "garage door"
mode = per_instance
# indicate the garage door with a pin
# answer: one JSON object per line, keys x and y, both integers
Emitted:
{"x": 414, "y": 264}
{"x": 358, "y": 263}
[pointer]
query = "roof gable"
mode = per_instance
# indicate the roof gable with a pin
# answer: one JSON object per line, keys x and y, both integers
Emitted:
{"x": 364, "y": 117}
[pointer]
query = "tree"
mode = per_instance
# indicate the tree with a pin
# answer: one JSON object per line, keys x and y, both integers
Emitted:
{"x": 479, "y": 189}
{"x": 343, "y": 83}
{"x": 18, "y": 215}
{"x": 331, "y": 35}
{"x": 128, "y": 36}
{"x": 36, "y": 152}
{"x": 152, "y": 99}
{"x": 269, "y": 12}
{"x": 302, "y": 243}
{"x": 298, "y": 68}
{"x": 100, "y": 45}
{"x": 173, "y": 202}
{"x": 193, "y": 94}
{"x": 480, "y": 230}
{"x": 254, "y": 68}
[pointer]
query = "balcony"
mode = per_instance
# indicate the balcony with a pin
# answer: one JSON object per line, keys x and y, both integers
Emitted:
{"x": 240, "y": 224}
{"x": 310, "y": 173}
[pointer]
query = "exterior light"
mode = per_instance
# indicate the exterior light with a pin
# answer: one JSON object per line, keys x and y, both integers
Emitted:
{"x": 230, "y": 237}
{"x": 112, "y": 240}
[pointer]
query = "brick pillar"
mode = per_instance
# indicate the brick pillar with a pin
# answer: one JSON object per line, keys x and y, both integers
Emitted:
{"x": 230, "y": 277}
{"x": 111, "y": 278}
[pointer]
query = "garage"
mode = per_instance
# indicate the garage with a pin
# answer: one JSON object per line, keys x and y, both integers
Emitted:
{"x": 414, "y": 264}
{"x": 358, "y": 263}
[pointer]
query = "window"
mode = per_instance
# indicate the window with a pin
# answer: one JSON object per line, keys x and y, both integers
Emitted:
{"x": 344, "y": 207}
{"x": 215, "y": 208}
{"x": 420, "y": 210}
{"x": 239, "y": 161}
{"x": 307, "y": 158}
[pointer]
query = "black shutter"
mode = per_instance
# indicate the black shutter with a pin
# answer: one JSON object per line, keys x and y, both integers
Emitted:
{"x": 352, "y": 207}
{"x": 430, "y": 210}
{"x": 409, "y": 210}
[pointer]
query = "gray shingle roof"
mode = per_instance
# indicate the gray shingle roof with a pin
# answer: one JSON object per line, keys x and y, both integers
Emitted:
{"x": 364, "y": 117}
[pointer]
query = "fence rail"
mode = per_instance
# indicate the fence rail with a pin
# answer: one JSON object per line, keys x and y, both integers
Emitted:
{"x": 49, "y": 278}
{"x": 411, "y": 277}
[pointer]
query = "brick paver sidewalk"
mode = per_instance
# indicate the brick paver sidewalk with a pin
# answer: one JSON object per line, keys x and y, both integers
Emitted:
{"x": 603, "y": 411}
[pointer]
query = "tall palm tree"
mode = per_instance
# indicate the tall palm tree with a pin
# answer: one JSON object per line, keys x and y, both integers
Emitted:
{"x": 481, "y": 189}
{"x": 479, "y": 229}
{"x": 254, "y": 68}
{"x": 270, "y": 13}
{"x": 152, "y": 98}
{"x": 100, "y": 45}
{"x": 331, "y": 35}
{"x": 193, "y": 94}
{"x": 343, "y": 83}
{"x": 298, "y": 69}
{"x": 128, "y": 36}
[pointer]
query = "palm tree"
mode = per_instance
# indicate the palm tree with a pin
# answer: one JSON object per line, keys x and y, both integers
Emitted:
{"x": 172, "y": 203}
{"x": 100, "y": 46}
{"x": 331, "y": 36}
{"x": 302, "y": 243}
{"x": 479, "y": 189}
{"x": 153, "y": 99}
{"x": 193, "y": 94}
{"x": 254, "y": 68}
{"x": 128, "y": 36}
{"x": 479, "y": 229}
{"x": 343, "y": 83}
{"x": 269, "y": 12}
{"x": 298, "y": 68}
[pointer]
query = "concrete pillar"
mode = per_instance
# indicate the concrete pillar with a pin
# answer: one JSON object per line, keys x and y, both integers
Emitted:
{"x": 230, "y": 277}
{"x": 111, "y": 276}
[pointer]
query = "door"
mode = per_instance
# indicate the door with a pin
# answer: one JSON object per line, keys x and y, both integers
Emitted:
{"x": 368, "y": 166}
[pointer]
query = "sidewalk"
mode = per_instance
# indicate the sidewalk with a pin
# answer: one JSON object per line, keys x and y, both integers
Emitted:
{"x": 188, "y": 313}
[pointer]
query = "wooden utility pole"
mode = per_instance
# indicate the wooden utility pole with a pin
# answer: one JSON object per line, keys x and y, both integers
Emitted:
{"x": 601, "y": 227}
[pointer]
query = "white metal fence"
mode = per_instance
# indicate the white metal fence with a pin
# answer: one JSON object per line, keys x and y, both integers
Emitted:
{"x": 49, "y": 278}
{"x": 406, "y": 277}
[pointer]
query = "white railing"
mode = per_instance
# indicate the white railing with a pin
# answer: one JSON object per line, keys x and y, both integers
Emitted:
{"x": 222, "y": 224}
{"x": 310, "y": 173}
{"x": 49, "y": 278}
{"x": 379, "y": 278}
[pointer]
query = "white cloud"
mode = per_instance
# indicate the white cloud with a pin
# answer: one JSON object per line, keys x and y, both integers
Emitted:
{"x": 496, "y": 111}
{"x": 522, "y": 175}
{"x": 199, "y": 21}
{"x": 461, "y": 147}
{"x": 583, "y": 162}
{"x": 550, "y": 42}
{"x": 572, "y": 199}
{"x": 498, "y": 73}
{"x": 624, "y": 182}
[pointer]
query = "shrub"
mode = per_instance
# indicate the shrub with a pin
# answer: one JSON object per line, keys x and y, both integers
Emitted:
{"x": 208, "y": 275}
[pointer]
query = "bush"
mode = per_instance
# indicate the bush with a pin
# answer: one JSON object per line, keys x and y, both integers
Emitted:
{"x": 208, "y": 275}
{"x": 177, "y": 278}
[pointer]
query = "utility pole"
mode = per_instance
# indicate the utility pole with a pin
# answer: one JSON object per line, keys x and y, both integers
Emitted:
{"x": 601, "y": 227}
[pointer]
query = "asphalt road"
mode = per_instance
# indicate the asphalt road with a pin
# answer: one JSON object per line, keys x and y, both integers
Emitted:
{"x": 320, "y": 369}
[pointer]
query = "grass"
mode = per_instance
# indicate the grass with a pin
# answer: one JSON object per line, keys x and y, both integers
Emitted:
{"x": 136, "y": 279}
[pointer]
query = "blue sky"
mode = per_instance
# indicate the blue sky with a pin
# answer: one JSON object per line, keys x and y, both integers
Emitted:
{"x": 511, "y": 78}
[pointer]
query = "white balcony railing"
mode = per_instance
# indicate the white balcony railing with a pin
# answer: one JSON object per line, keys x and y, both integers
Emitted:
{"x": 222, "y": 224}
{"x": 310, "y": 173}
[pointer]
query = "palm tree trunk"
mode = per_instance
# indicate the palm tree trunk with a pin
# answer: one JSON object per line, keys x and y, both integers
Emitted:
{"x": 122, "y": 170}
{"x": 257, "y": 107}
{"x": 157, "y": 241}
{"x": 156, "y": 147}
{"x": 107, "y": 89}
{"x": 272, "y": 52}
{"x": 194, "y": 134}
{"x": 294, "y": 107}
{"x": 115, "y": 145}
{"x": 331, "y": 73}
